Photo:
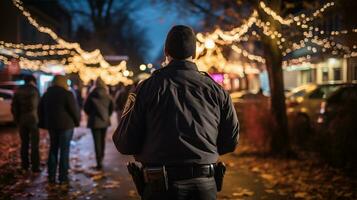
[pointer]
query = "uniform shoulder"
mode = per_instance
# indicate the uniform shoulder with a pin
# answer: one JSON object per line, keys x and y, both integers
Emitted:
{"x": 215, "y": 86}
{"x": 211, "y": 80}
{"x": 159, "y": 72}
{"x": 154, "y": 78}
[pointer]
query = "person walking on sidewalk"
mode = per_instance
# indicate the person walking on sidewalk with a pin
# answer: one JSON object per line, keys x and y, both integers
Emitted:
{"x": 59, "y": 113}
{"x": 99, "y": 108}
{"x": 176, "y": 124}
{"x": 24, "y": 109}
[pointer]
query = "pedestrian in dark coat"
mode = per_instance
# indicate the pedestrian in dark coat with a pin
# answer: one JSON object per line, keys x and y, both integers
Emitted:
{"x": 59, "y": 114}
{"x": 99, "y": 107}
{"x": 24, "y": 109}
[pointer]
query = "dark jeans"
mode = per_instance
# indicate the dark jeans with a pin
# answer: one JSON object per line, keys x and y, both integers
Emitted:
{"x": 99, "y": 143}
{"x": 29, "y": 135}
{"x": 59, "y": 141}
{"x": 190, "y": 189}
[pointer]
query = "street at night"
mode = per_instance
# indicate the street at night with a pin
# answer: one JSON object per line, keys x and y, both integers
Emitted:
{"x": 250, "y": 175}
{"x": 186, "y": 100}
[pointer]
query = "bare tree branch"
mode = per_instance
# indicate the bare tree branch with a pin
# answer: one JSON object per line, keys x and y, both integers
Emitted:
{"x": 107, "y": 13}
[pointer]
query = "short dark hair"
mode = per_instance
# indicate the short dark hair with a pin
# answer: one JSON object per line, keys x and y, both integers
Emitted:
{"x": 180, "y": 42}
{"x": 29, "y": 78}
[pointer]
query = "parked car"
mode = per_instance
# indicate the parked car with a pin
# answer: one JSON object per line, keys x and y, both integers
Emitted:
{"x": 304, "y": 103}
{"x": 5, "y": 105}
{"x": 338, "y": 128}
{"x": 342, "y": 100}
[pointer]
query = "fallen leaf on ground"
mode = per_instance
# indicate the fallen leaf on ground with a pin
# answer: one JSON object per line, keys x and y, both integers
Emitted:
{"x": 268, "y": 177}
{"x": 301, "y": 195}
{"x": 97, "y": 177}
{"x": 269, "y": 191}
{"x": 243, "y": 192}
{"x": 282, "y": 192}
{"x": 255, "y": 169}
{"x": 111, "y": 185}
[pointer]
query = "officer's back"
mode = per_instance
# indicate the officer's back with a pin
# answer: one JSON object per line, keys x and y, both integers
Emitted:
{"x": 182, "y": 117}
{"x": 179, "y": 118}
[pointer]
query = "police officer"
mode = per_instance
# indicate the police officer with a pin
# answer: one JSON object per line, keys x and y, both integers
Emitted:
{"x": 179, "y": 120}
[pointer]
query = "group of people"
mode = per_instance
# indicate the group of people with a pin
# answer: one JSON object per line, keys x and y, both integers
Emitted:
{"x": 176, "y": 124}
{"x": 59, "y": 111}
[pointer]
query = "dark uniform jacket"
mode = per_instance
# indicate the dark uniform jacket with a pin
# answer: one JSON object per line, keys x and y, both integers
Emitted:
{"x": 24, "y": 106}
{"x": 178, "y": 116}
{"x": 58, "y": 109}
{"x": 99, "y": 107}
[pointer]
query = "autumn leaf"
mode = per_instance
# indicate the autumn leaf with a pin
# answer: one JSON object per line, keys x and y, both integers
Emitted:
{"x": 242, "y": 193}
{"x": 301, "y": 195}
{"x": 268, "y": 177}
{"x": 269, "y": 191}
{"x": 97, "y": 177}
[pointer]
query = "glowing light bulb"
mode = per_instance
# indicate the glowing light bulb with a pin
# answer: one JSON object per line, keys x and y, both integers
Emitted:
{"x": 209, "y": 44}
{"x": 126, "y": 73}
{"x": 142, "y": 67}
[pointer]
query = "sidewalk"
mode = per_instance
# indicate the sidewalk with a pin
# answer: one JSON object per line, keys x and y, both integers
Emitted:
{"x": 114, "y": 182}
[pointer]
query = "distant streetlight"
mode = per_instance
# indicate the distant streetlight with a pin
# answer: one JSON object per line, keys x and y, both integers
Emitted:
{"x": 142, "y": 67}
{"x": 209, "y": 44}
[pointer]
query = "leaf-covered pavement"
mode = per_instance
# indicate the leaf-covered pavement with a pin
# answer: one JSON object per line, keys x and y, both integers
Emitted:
{"x": 250, "y": 174}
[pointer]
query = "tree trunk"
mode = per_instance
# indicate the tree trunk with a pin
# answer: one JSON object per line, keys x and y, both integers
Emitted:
{"x": 279, "y": 136}
{"x": 279, "y": 133}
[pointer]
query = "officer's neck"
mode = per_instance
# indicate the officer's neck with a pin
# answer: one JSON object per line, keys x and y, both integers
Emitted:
{"x": 186, "y": 59}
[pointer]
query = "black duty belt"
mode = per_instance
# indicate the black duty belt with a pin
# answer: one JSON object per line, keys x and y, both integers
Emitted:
{"x": 189, "y": 172}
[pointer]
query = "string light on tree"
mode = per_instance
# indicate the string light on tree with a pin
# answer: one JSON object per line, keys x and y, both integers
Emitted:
{"x": 110, "y": 74}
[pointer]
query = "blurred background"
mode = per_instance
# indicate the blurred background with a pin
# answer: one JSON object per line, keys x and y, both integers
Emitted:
{"x": 290, "y": 67}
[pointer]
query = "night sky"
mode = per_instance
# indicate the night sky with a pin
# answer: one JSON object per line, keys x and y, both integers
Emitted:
{"x": 157, "y": 20}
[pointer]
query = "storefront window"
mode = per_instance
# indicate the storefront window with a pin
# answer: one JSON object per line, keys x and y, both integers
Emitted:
{"x": 306, "y": 76}
{"x": 337, "y": 74}
{"x": 325, "y": 76}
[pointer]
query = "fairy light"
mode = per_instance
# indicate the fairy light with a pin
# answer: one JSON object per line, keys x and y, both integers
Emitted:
{"x": 248, "y": 55}
{"x": 209, "y": 45}
{"x": 142, "y": 67}
{"x": 274, "y": 15}
{"x": 236, "y": 33}
{"x": 4, "y": 59}
{"x": 302, "y": 19}
{"x": 110, "y": 74}
{"x": 30, "y": 47}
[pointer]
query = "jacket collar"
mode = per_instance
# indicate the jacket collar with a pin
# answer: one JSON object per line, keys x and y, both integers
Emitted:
{"x": 182, "y": 64}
